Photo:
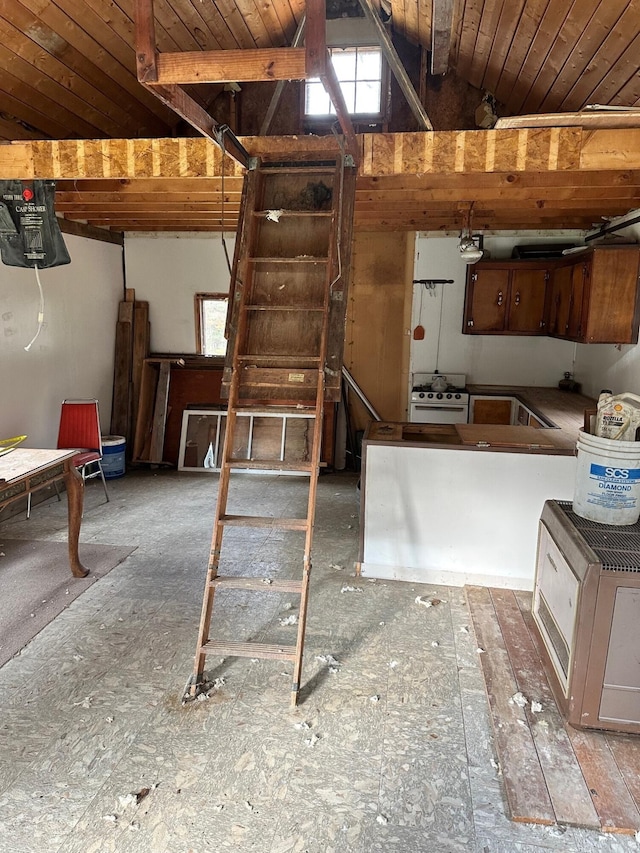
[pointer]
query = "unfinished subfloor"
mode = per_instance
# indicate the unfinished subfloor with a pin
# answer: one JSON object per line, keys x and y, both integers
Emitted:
{"x": 390, "y": 748}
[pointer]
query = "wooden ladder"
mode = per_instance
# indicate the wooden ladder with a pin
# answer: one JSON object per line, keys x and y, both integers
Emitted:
{"x": 286, "y": 336}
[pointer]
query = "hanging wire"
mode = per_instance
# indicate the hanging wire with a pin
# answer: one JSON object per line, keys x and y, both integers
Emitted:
{"x": 222, "y": 162}
{"x": 40, "y": 312}
{"x": 340, "y": 196}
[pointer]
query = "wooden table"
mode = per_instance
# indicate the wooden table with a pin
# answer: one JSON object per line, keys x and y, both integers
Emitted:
{"x": 24, "y": 470}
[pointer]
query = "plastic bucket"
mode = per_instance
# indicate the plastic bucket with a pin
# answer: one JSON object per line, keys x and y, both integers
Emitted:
{"x": 113, "y": 450}
{"x": 607, "y": 486}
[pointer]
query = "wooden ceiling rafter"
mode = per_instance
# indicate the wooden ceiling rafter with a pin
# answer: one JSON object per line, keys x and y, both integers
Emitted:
{"x": 165, "y": 74}
{"x": 441, "y": 24}
{"x": 396, "y": 66}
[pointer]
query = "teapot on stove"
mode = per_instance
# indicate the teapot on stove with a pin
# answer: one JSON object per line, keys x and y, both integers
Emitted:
{"x": 439, "y": 383}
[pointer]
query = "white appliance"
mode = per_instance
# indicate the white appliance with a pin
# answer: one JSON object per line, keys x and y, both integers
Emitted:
{"x": 439, "y": 398}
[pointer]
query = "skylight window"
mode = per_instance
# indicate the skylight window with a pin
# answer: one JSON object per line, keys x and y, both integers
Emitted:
{"x": 359, "y": 72}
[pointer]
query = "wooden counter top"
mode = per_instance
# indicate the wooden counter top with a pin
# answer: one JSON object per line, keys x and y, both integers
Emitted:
{"x": 562, "y": 408}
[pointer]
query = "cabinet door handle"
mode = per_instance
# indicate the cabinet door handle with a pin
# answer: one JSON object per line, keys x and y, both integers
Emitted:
{"x": 500, "y": 298}
{"x": 517, "y": 299}
{"x": 553, "y": 565}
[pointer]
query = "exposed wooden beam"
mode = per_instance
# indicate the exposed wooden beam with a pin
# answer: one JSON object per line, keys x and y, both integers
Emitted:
{"x": 515, "y": 156}
{"x": 441, "y": 20}
{"x": 197, "y": 117}
{"x": 146, "y": 52}
{"x": 79, "y": 229}
{"x": 397, "y": 67}
{"x": 223, "y": 66}
{"x": 329, "y": 80}
{"x": 315, "y": 39}
{"x": 277, "y": 95}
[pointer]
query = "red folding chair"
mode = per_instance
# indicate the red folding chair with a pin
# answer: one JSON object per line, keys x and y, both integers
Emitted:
{"x": 80, "y": 430}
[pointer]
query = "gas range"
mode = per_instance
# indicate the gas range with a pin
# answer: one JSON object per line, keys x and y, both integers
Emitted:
{"x": 447, "y": 406}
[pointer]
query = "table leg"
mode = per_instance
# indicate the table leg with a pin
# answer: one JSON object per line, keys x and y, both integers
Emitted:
{"x": 75, "y": 500}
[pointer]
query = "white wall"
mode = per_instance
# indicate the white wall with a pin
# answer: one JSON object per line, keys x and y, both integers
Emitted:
{"x": 167, "y": 270}
{"x": 485, "y": 359}
{"x": 73, "y": 356}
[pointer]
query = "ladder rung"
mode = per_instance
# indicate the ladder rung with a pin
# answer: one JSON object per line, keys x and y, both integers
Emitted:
{"x": 317, "y": 308}
{"x": 297, "y": 213}
{"x": 249, "y": 650}
{"x": 264, "y": 521}
{"x": 258, "y": 584}
{"x": 299, "y": 360}
{"x": 270, "y": 465}
{"x": 274, "y": 411}
{"x": 303, "y": 259}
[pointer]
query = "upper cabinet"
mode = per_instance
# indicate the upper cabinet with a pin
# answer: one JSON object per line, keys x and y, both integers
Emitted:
{"x": 594, "y": 297}
{"x": 587, "y": 298}
{"x": 505, "y": 297}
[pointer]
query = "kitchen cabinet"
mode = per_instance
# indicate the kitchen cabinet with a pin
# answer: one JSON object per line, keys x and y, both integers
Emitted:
{"x": 591, "y": 297}
{"x": 490, "y": 410}
{"x": 594, "y": 296}
{"x": 507, "y": 298}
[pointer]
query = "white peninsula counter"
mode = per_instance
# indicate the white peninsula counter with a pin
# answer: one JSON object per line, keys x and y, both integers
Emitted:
{"x": 441, "y": 507}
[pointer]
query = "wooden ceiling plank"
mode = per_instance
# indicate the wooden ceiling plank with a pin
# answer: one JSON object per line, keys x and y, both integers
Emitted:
{"x": 507, "y": 26}
{"x": 412, "y": 12}
{"x": 262, "y": 64}
{"x": 551, "y": 80}
{"x": 113, "y": 32}
{"x": 250, "y": 12}
{"x": 115, "y": 120}
{"x": 397, "y": 68}
{"x": 612, "y": 89}
{"x": 224, "y": 36}
{"x": 315, "y": 39}
{"x": 235, "y": 21}
{"x": 100, "y": 71}
{"x": 544, "y": 48}
{"x": 28, "y": 116}
{"x": 532, "y": 15}
{"x": 441, "y": 23}
{"x": 608, "y": 18}
{"x": 607, "y": 62}
{"x": 16, "y": 76}
{"x": 47, "y": 74}
{"x": 12, "y": 128}
{"x": 191, "y": 16}
{"x": 470, "y": 24}
{"x": 486, "y": 35}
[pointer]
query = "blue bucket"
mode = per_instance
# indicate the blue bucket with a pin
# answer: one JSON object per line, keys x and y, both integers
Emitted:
{"x": 113, "y": 450}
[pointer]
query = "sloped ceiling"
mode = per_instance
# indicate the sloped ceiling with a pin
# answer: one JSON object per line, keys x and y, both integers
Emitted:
{"x": 68, "y": 71}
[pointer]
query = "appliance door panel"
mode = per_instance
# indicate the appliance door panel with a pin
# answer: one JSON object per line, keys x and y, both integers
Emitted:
{"x": 555, "y": 607}
{"x": 423, "y": 413}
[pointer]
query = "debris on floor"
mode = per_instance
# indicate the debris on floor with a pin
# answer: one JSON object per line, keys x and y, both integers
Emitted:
{"x": 383, "y": 820}
{"x": 536, "y": 707}
{"x": 312, "y": 741}
{"x": 519, "y": 700}
{"x": 289, "y": 620}
{"x": 428, "y": 601}
{"x": 351, "y": 589}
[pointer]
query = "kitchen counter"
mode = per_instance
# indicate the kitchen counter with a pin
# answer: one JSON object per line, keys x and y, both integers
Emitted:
{"x": 563, "y": 409}
{"x": 435, "y": 509}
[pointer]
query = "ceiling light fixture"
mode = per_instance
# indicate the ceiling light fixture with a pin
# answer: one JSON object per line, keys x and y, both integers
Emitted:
{"x": 470, "y": 246}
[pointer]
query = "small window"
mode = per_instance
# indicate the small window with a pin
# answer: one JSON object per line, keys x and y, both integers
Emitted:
{"x": 211, "y": 316}
{"x": 359, "y": 72}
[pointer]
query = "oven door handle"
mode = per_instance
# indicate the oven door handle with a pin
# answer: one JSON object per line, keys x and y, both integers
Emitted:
{"x": 420, "y": 408}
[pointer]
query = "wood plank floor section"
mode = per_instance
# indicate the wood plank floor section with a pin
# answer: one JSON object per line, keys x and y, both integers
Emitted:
{"x": 552, "y": 772}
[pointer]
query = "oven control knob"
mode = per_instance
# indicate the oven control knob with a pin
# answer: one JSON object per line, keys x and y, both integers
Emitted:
{"x": 458, "y": 396}
{"x": 449, "y": 396}
{"x": 439, "y": 396}
{"x": 430, "y": 396}
{"x": 421, "y": 394}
